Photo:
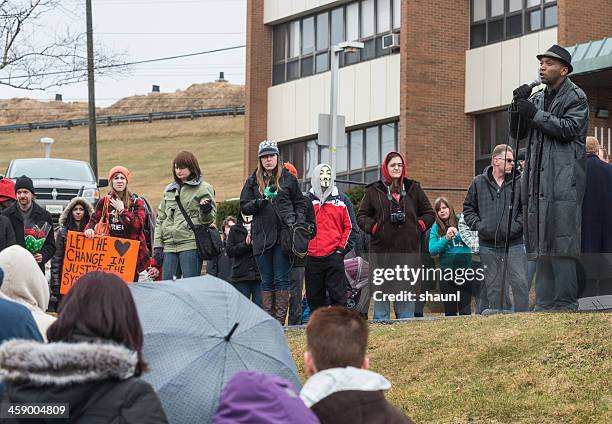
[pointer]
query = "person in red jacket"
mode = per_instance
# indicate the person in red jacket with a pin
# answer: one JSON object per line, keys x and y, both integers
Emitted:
{"x": 337, "y": 231}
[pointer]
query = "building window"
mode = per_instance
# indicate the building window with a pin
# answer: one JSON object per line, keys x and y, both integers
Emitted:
{"x": 497, "y": 20}
{"x": 359, "y": 160}
{"x": 491, "y": 130}
{"x": 302, "y": 46}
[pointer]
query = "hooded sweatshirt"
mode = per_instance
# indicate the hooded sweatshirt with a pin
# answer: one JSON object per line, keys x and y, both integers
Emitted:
{"x": 381, "y": 200}
{"x": 334, "y": 217}
{"x": 25, "y": 283}
{"x": 66, "y": 223}
{"x": 350, "y": 395}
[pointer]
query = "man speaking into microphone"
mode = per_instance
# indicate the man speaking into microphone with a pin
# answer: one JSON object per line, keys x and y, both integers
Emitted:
{"x": 553, "y": 123}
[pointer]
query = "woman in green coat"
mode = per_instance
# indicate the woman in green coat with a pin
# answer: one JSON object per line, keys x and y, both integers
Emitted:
{"x": 175, "y": 247}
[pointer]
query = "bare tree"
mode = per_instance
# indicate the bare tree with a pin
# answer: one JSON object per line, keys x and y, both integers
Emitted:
{"x": 36, "y": 58}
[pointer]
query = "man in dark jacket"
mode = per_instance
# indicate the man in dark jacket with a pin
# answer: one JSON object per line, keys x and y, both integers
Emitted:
{"x": 553, "y": 123}
{"x": 335, "y": 238}
{"x": 485, "y": 210}
{"x": 596, "y": 225}
{"x": 340, "y": 388}
{"x": 7, "y": 234}
{"x": 27, "y": 213}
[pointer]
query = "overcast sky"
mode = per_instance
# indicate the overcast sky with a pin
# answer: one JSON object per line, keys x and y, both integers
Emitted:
{"x": 147, "y": 29}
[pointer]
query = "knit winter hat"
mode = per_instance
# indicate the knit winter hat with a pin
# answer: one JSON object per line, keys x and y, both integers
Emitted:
{"x": 268, "y": 147}
{"x": 292, "y": 169}
{"x": 24, "y": 182}
{"x": 119, "y": 170}
{"x": 7, "y": 189}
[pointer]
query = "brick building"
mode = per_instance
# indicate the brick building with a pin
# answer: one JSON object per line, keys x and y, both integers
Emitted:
{"x": 440, "y": 96}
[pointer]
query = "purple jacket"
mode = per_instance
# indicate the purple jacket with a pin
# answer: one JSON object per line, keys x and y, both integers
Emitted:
{"x": 255, "y": 398}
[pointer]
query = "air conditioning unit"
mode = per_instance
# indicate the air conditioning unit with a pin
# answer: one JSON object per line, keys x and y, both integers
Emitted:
{"x": 390, "y": 41}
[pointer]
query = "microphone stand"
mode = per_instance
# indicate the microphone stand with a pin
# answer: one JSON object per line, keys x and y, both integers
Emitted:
{"x": 511, "y": 207}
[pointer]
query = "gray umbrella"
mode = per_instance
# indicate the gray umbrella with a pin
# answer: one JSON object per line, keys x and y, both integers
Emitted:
{"x": 198, "y": 332}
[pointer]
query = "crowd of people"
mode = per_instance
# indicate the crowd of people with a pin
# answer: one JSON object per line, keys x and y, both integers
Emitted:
{"x": 522, "y": 224}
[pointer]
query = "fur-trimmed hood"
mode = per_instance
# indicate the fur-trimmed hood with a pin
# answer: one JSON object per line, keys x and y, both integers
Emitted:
{"x": 62, "y": 364}
{"x": 63, "y": 219}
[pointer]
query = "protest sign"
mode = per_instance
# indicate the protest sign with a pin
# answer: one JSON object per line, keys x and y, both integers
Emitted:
{"x": 102, "y": 253}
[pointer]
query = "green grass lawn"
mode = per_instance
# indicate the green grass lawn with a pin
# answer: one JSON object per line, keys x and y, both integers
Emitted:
{"x": 147, "y": 150}
{"x": 523, "y": 368}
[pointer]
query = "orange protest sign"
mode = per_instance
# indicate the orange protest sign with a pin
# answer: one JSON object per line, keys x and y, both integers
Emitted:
{"x": 103, "y": 253}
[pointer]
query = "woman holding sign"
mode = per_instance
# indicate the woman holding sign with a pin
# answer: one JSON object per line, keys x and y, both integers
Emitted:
{"x": 121, "y": 214}
{"x": 74, "y": 218}
{"x": 175, "y": 245}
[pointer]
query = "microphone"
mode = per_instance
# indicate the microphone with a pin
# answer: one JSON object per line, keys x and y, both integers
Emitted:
{"x": 535, "y": 83}
{"x": 531, "y": 85}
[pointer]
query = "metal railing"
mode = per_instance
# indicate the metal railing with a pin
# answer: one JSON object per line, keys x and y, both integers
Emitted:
{"x": 135, "y": 117}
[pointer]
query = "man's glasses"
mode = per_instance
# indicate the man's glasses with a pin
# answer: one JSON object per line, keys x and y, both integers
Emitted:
{"x": 507, "y": 160}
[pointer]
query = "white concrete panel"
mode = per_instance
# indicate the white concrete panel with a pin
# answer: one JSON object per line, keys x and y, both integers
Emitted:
{"x": 547, "y": 38}
{"x": 276, "y": 10}
{"x": 492, "y": 74}
{"x": 493, "y": 71}
{"x": 368, "y": 91}
{"x": 510, "y": 51}
{"x": 530, "y": 47}
{"x": 270, "y": 10}
{"x": 378, "y": 89}
{"x": 275, "y": 104}
{"x": 474, "y": 79}
{"x": 393, "y": 85}
{"x": 346, "y": 93}
{"x": 319, "y": 98}
{"x": 363, "y": 95}
{"x": 298, "y": 6}
{"x": 302, "y": 106}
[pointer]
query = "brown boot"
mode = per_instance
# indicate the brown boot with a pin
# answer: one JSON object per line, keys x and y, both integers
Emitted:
{"x": 267, "y": 302}
{"x": 281, "y": 305}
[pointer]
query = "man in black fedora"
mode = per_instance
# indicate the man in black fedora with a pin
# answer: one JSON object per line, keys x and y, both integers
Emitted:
{"x": 553, "y": 123}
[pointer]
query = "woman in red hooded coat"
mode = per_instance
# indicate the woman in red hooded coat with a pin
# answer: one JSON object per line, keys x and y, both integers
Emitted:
{"x": 395, "y": 211}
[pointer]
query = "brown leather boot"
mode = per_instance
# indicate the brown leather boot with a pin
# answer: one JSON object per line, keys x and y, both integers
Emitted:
{"x": 267, "y": 302}
{"x": 281, "y": 305}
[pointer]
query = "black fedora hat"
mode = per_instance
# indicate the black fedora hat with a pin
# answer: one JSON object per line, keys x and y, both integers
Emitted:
{"x": 559, "y": 53}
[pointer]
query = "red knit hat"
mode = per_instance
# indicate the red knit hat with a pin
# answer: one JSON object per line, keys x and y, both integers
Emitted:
{"x": 7, "y": 189}
{"x": 119, "y": 170}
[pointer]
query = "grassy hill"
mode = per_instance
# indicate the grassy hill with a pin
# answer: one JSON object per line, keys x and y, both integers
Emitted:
{"x": 147, "y": 150}
{"x": 196, "y": 96}
{"x": 523, "y": 368}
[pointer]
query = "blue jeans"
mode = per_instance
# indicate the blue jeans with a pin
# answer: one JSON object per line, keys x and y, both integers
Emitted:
{"x": 274, "y": 268}
{"x": 181, "y": 265}
{"x": 382, "y": 310}
{"x": 251, "y": 289}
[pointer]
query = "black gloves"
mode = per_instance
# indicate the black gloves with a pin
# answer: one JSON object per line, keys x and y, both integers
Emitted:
{"x": 526, "y": 109}
{"x": 158, "y": 255}
{"x": 523, "y": 92}
{"x": 206, "y": 208}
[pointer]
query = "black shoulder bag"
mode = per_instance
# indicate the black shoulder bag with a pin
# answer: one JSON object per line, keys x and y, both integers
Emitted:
{"x": 208, "y": 239}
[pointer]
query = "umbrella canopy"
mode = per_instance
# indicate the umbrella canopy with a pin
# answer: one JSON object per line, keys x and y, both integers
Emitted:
{"x": 198, "y": 332}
